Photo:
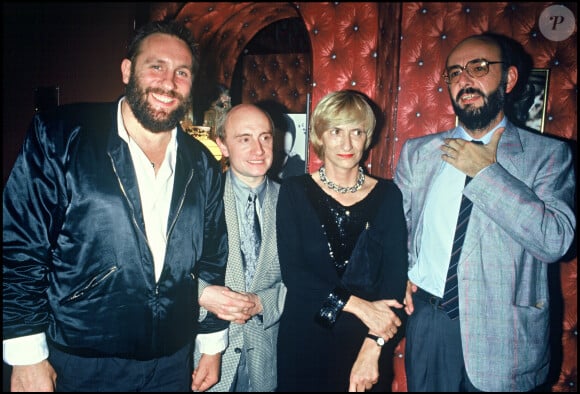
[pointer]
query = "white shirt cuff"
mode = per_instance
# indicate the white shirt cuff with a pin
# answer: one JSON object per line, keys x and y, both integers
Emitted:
{"x": 212, "y": 343}
{"x": 26, "y": 350}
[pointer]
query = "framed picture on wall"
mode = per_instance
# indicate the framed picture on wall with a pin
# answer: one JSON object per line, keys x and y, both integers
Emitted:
{"x": 295, "y": 145}
{"x": 539, "y": 79}
{"x": 293, "y": 155}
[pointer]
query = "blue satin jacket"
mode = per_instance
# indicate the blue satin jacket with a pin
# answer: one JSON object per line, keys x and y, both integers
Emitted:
{"x": 76, "y": 263}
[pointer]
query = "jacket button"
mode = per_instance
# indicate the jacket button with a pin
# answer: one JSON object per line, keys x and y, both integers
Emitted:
{"x": 238, "y": 350}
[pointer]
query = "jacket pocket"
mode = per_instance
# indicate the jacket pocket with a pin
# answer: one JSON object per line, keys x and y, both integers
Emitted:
{"x": 87, "y": 286}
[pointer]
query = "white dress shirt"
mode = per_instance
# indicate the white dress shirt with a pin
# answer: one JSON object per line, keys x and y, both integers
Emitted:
{"x": 439, "y": 222}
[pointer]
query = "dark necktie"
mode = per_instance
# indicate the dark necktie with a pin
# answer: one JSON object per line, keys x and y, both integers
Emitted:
{"x": 251, "y": 238}
{"x": 450, "y": 300}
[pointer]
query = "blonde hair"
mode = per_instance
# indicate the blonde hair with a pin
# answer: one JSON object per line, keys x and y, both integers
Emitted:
{"x": 343, "y": 107}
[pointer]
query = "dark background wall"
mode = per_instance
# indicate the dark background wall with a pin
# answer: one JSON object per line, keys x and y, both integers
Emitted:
{"x": 75, "y": 46}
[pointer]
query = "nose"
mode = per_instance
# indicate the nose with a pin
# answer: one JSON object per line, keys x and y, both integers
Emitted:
{"x": 257, "y": 146}
{"x": 464, "y": 78}
{"x": 347, "y": 142}
{"x": 168, "y": 80}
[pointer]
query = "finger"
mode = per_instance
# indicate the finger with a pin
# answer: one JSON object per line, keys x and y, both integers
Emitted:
{"x": 235, "y": 295}
{"x": 396, "y": 322}
{"x": 204, "y": 386}
{"x": 447, "y": 150}
{"x": 237, "y": 318}
{"x": 239, "y": 305}
{"x": 409, "y": 304}
{"x": 394, "y": 304}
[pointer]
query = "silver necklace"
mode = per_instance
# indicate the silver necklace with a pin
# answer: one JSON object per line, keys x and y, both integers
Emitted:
{"x": 331, "y": 185}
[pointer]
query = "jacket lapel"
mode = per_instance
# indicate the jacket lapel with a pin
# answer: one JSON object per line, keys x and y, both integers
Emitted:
{"x": 508, "y": 155}
{"x": 235, "y": 269}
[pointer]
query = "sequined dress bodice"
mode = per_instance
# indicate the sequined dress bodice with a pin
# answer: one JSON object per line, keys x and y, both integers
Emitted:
{"x": 342, "y": 225}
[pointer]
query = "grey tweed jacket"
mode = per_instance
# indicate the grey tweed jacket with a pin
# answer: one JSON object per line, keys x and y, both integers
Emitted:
{"x": 522, "y": 219}
{"x": 259, "y": 335}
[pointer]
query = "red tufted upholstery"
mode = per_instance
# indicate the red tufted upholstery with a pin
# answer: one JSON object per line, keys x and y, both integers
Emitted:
{"x": 394, "y": 53}
{"x": 281, "y": 77}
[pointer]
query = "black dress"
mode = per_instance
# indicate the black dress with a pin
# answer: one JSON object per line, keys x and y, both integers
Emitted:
{"x": 317, "y": 344}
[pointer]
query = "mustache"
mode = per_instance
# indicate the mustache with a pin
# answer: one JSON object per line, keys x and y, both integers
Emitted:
{"x": 469, "y": 91}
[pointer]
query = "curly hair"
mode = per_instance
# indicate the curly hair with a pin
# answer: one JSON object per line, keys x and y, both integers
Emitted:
{"x": 170, "y": 27}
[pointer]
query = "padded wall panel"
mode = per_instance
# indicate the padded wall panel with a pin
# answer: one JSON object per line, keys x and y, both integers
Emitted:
{"x": 223, "y": 29}
{"x": 344, "y": 38}
{"x": 284, "y": 78}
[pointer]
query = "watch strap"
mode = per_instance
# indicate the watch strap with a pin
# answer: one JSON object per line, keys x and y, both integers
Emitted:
{"x": 379, "y": 341}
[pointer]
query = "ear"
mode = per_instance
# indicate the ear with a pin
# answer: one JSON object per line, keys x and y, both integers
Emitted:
{"x": 126, "y": 70}
{"x": 512, "y": 78}
{"x": 223, "y": 147}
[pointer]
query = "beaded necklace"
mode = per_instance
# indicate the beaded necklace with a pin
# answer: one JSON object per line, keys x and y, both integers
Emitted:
{"x": 331, "y": 185}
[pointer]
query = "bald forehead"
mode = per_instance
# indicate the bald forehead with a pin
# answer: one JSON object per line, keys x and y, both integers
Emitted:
{"x": 245, "y": 109}
{"x": 474, "y": 48}
{"x": 246, "y": 114}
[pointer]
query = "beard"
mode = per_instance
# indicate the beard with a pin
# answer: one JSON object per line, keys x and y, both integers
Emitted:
{"x": 154, "y": 120}
{"x": 480, "y": 118}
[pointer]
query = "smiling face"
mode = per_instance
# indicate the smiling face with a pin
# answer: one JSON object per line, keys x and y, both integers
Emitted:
{"x": 248, "y": 143}
{"x": 159, "y": 82}
{"x": 479, "y": 101}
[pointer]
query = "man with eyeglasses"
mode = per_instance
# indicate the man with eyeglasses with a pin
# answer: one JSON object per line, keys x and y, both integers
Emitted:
{"x": 478, "y": 300}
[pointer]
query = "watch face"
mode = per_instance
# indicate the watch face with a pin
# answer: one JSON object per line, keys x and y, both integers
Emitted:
{"x": 380, "y": 341}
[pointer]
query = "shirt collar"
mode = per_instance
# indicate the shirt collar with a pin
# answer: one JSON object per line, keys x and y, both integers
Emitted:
{"x": 461, "y": 133}
{"x": 241, "y": 190}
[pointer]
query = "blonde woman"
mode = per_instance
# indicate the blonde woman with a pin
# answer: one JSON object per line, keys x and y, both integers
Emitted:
{"x": 342, "y": 250}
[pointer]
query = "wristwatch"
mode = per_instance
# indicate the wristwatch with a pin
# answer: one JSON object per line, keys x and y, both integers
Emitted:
{"x": 380, "y": 341}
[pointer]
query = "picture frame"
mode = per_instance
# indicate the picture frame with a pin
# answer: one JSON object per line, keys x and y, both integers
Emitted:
{"x": 296, "y": 127}
{"x": 295, "y": 145}
{"x": 539, "y": 80}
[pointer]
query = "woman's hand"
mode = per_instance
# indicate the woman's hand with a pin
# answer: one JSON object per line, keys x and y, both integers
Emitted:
{"x": 376, "y": 315}
{"x": 365, "y": 371}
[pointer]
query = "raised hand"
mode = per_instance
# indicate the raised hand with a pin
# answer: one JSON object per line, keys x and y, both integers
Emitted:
{"x": 468, "y": 157}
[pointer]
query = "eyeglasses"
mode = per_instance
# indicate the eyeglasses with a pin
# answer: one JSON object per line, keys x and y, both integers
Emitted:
{"x": 475, "y": 68}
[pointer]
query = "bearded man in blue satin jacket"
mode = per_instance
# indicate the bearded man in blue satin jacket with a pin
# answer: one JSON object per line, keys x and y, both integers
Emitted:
{"x": 113, "y": 226}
